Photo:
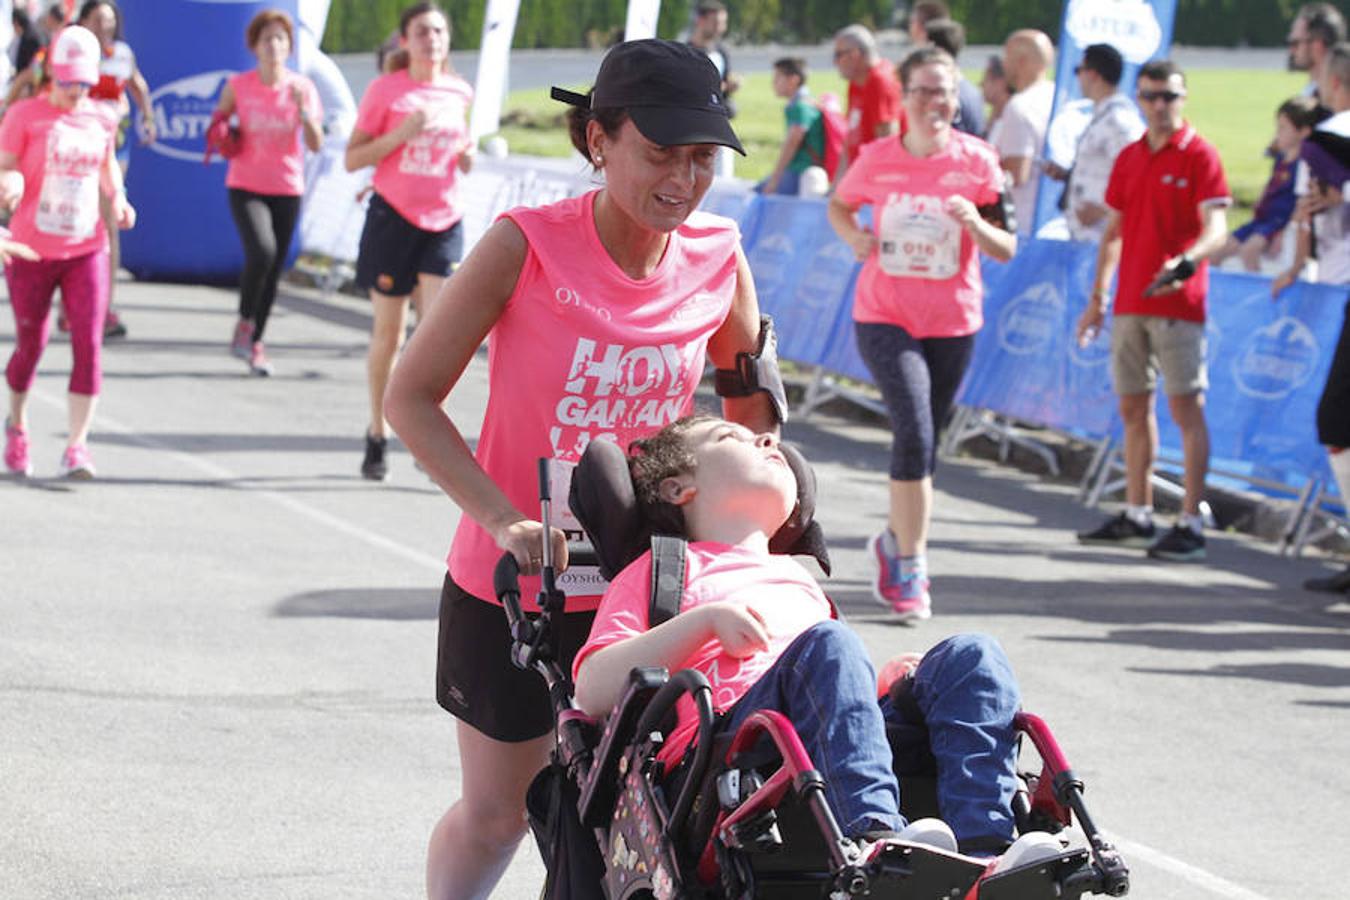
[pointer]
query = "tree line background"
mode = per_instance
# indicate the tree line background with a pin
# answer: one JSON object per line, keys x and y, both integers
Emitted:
{"x": 360, "y": 25}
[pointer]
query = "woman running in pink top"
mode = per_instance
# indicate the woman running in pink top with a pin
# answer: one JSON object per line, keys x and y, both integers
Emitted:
{"x": 275, "y": 108}
{"x": 56, "y": 161}
{"x": 412, "y": 125}
{"x": 600, "y": 311}
{"x": 119, "y": 77}
{"x": 937, "y": 198}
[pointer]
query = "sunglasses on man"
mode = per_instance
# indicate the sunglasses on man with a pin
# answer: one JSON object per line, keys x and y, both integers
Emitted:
{"x": 1165, "y": 96}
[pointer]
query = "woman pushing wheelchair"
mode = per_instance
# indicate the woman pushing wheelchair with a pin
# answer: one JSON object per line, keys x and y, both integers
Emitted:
{"x": 599, "y": 311}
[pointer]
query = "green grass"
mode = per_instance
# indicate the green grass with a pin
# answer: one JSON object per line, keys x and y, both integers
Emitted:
{"x": 1233, "y": 108}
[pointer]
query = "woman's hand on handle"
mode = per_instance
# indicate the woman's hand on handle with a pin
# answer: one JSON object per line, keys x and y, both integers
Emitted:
{"x": 523, "y": 540}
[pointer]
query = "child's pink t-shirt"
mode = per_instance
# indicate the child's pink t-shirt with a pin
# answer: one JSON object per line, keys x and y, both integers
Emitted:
{"x": 584, "y": 351}
{"x": 61, "y": 155}
{"x": 925, "y": 274}
{"x": 783, "y": 593}
{"x": 420, "y": 179}
{"x": 272, "y": 155}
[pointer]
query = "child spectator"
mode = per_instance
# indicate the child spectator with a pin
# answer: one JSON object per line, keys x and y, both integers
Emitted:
{"x": 804, "y": 144}
{"x": 1294, "y": 121}
{"x": 760, "y": 628}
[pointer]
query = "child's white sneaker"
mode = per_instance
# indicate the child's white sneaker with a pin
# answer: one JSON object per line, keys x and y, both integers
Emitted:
{"x": 932, "y": 832}
{"x": 1031, "y": 847}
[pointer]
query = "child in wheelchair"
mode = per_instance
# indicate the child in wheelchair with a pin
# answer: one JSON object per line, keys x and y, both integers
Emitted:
{"x": 760, "y": 629}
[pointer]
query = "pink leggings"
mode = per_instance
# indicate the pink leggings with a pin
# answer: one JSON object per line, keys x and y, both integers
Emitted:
{"x": 84, "y": 288}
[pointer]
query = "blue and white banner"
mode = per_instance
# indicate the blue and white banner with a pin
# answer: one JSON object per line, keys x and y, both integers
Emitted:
{"x": 1140, "y": 29}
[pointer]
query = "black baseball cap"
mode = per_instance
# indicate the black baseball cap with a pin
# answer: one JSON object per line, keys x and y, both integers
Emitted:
{"x": 671, "y": 91}
{"x": 1105, "y": 60}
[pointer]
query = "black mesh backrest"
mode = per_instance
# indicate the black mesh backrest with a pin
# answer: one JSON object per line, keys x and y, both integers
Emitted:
{"x": 603, "y": 500}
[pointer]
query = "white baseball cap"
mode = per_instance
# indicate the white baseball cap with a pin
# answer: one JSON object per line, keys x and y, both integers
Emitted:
{"x": 75, "y": 55}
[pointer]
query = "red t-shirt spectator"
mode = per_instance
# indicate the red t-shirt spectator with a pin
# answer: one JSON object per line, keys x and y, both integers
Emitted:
{"x": 871, "y": 103}
{"x": 1158, "y": 196}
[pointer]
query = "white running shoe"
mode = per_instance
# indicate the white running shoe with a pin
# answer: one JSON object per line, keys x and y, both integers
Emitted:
{"x": 1031, "y": 847}
{"x": 931, "y": 832}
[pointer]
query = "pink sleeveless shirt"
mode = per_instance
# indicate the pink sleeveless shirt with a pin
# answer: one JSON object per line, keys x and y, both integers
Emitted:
{"x": 583, "y": 351}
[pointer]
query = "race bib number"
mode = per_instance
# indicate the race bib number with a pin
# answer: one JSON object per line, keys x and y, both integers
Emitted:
{"x": 577, "y": 580}
{"x": 68, "y": 206}
{"x": 918, "y": 239}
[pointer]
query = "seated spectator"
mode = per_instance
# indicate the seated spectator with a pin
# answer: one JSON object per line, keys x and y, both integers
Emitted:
{"x": 1027, "y": 56}
{"x": 1263, "y": 235}
{"x": 760, "y": 628}
{"x": 950, "y": 35}
{"x": 804, "y": 143}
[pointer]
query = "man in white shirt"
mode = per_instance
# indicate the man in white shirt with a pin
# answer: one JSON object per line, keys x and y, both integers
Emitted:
{"x": 1115, "y": 124}
{"x": 1027, "y": 56}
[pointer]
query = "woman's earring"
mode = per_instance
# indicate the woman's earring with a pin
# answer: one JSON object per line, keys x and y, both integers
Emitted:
{"x": 599, "y": 160}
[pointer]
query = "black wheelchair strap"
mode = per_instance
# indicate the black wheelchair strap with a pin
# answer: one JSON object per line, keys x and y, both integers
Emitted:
{"x": 668, "y": 564}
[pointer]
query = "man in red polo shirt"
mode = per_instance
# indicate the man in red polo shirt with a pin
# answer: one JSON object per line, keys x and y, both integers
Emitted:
{"x": 874, "y": 109}
{"x": 1168, "y": 199}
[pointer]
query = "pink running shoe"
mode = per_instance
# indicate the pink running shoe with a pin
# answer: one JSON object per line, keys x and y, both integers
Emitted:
{"x": 914, "y": 601}
{"x": 906, "y": 595}
{"x": 241, "y": 345}
{"x": 17, "y": 460}
{"x": 76, "y": 463}
{"x": 257, "y": 361}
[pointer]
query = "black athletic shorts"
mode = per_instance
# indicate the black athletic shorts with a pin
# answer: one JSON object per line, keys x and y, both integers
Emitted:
{"x": 475, "y": 679}
{"x": 394, "y": 251}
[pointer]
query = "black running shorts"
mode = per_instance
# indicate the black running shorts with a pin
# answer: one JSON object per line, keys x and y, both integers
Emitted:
{"x": 394, "y": 251}
{"x": 475, "y": 679}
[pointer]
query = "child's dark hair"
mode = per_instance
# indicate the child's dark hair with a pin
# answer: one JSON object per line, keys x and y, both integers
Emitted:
{"x": 652, "y": 460}
{"x": 611, "y": 120}
{"x": 1302, "y": 112}
{"x": 792, "y": 66}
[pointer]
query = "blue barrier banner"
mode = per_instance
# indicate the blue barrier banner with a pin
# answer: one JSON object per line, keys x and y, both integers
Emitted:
{"x": 803, "y": 271}
{"x": 1027, "y": 364}
{"x": 1268, "y": 361}
{"x": 186, "y": 50}
{"x": 1140, "y": 29}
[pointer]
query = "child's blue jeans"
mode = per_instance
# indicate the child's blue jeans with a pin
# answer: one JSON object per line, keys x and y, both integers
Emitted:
{"x": 966, "y": 690}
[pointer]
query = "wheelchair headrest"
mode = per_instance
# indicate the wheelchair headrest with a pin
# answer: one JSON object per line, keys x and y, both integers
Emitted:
{"x": 603, "y": 500}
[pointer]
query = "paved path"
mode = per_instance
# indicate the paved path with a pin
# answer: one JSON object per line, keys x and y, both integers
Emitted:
{"x": 216, "y": 660}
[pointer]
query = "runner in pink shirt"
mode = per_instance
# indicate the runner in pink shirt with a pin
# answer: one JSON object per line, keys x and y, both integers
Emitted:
{"x": 938, "y": 201}
{"x": 56, "y": 159}
{"x": 412, "y": 125}
{"x": 275, "y": 108}
{"x": 119, "y": 77}
{"x": 599, "y": 312}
